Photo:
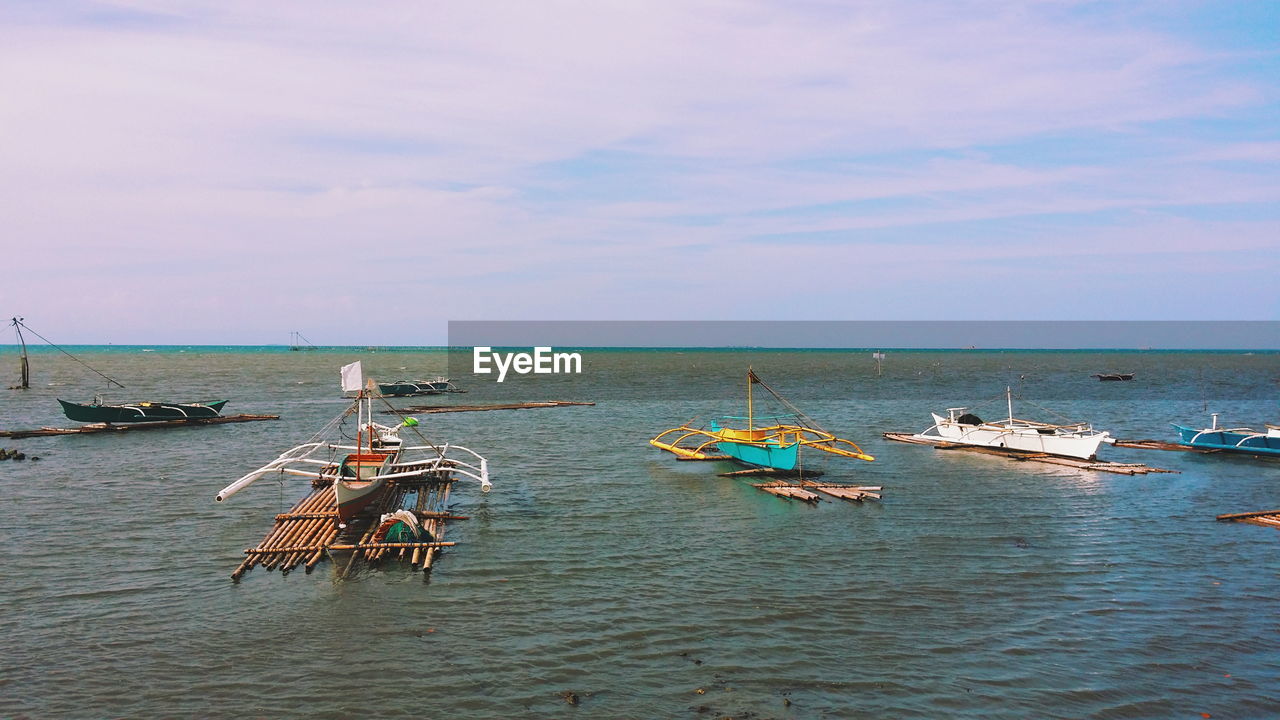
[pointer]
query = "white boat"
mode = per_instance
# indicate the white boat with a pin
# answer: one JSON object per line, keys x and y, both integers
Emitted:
{"x": 378, "y": 456}
{"x": 1077, "y": 440}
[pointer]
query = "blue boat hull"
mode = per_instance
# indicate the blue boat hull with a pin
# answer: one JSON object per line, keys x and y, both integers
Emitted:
{"x": 1230, "y": 441}
{"x": 777, "y": 457}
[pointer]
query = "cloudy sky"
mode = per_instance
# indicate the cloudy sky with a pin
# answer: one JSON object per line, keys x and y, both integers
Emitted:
{"x": 228, "y": 172}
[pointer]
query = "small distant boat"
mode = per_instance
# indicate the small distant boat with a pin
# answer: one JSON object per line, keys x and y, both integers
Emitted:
{"x": 98, "y": 412}
{"x": 1112, "y": 377}
{"x": 774, "y": 443}
{"x": 440, "y": 384}
{"x": 295, "y": 342}
{"x": 1077, "y": 440}
{"x": 1241, "y": 439}
{"x": 401, "y": 388}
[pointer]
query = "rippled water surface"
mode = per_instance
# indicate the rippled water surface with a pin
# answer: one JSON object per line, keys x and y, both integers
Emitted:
{"x": 978, "y": 587}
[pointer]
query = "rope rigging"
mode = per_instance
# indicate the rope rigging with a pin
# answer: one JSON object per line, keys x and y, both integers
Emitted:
{"x": 804, "y": 419}
{"x": 17, "y": 323}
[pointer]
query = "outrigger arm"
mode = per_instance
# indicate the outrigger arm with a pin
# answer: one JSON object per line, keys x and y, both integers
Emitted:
{"x": 289, "y": 456}
{"x": 696, "y": 453}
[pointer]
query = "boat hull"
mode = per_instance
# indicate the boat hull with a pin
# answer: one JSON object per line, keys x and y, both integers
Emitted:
{"x": 140, "y": 412}
{"x": 776, "y": 457}
{"x": 405, "y": 387}
{"x": 1231, "y": 441}
{"x": 1082, "y": 446}
{"x": 352, "y": 498}
{"x": 398, "y": 389}
{"x": 757, "y": 447}
{"x": 360, "y": 482}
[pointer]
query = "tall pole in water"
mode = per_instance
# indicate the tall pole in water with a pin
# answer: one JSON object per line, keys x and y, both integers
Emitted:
{"x": 24, "y": 366}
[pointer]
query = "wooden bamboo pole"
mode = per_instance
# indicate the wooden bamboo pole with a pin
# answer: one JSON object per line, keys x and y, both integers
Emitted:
{"x": 315, "y": 559}
{"x": 430, "y": 543}
{"x": 1241, "y": 516}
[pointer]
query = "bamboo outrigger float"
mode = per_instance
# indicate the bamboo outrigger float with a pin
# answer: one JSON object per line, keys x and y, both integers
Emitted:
{"x": 1265, "y": 518}
{"x": 775, "y": 444}
{"x": 155, "y": 425}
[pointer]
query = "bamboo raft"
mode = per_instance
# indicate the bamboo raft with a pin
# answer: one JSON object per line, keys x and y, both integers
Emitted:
{"x": 808, "y": 491}
{"x": 309, "y": 531}
{"x": 771, "y": 472}
{"x": 1267, "y": 518}
{"x": 430, "y": 409}
{"x": 1161, "y": 445}
{"x": 1022, "y": 455}
{"x": 154, "y": 425}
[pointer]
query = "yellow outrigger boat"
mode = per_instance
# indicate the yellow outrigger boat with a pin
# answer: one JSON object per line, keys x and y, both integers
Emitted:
{"x": 775, "y": 444}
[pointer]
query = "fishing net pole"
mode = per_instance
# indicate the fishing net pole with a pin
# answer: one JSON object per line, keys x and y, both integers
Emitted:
{"x": 110, "y": 380}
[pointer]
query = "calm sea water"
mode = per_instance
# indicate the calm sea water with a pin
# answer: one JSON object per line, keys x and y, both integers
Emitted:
{"x": 978, "y": 588}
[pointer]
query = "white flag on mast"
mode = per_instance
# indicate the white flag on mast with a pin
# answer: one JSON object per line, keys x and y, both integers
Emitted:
{"x": 352, "y": 377}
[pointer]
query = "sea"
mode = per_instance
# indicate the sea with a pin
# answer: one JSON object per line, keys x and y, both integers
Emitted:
{"x": 602, "y": 578}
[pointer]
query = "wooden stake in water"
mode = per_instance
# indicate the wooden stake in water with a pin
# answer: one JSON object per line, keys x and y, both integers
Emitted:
{"x": 879, "y": 356}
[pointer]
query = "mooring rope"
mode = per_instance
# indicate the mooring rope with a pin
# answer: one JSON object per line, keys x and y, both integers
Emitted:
{"x": 109, "y": 379}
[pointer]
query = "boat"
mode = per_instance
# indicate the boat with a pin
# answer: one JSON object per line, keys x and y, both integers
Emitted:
{"x": 295, "y": 342}
{"x": 378, "y": 457}
{"x": 772, "y": 442}
{"x": 440, "y": 384}
{"x": 1240, "y": 439}
{"x": 418, "y": 387}
{"x": 99, "y": 412}
{"x": 1076, "y": 440}
{"x": 402, "y": 388}
{"x": 1113, "y": 377}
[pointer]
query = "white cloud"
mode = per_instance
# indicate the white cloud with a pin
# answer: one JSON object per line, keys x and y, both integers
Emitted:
{"x": 245, "y": 141}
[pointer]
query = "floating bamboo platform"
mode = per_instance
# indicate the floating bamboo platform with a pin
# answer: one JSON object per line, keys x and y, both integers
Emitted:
{"x": 430, "y": 409}
{"x": 154, "y": 425}
{"x": 309, "y": 532}
{"x": 809, "y": 491}
{"x": 1021, "y": 455}
{"x": 771, "y": 472}
{"x": 1268, "y": 518}
{"x": 1161, "y": 445}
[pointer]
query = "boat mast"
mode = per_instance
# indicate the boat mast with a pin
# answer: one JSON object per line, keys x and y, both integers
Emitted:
{"x": 359, "y": 423}
{"x": 25, "y": 367}
{"x": 1008, "y": 393}
{"x": 751, "y": 378}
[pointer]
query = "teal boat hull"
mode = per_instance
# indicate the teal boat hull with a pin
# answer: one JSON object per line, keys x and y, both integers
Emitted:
{"x": 776, "y": 457}
{"x": 1253, "y": 443}
{"x": 140, "y": 412}
{"x": 769, "y": 454}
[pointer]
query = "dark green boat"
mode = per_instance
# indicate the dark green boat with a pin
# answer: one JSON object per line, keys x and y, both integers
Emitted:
{"x": 141, "y": 412}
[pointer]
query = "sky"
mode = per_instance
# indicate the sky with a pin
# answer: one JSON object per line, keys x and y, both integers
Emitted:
{"x": 229, "y": 172}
